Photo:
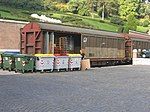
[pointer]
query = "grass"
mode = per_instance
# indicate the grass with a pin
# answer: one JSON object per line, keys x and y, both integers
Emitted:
{"x": 5, "y": 14}
{"x": 143, "y": 29}
{"x": 15, "y": 14}
{"x": 94, "y": 23}
{"x": 102, "y": 26}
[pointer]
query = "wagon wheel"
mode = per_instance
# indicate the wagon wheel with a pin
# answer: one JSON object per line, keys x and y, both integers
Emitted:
{"x": 66, "y": 69}
{"x": 51, "y": 70}
{"x": 42, "y": 71}
{"x": 143, "y": 56}
{"x": 32, "y": 71}
{"x": 71, "y": 69}
{"x": 9, "y": 70}
{"x": 16, "y": 71}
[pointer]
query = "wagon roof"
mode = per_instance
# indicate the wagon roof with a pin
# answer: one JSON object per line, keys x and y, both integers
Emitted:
{"x": 134, "y": 34}
{"x": 64, "y": 28}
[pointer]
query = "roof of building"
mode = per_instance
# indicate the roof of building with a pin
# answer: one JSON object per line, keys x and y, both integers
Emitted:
{"x": 13, "y": 21}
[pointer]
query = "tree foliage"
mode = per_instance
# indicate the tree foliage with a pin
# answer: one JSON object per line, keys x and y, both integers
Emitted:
{"x": 28, "y": 4}
{"x": 128, "y": 7}
{"x": 131, "y": 23}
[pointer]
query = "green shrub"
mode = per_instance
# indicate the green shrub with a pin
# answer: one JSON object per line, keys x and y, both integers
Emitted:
{"x": 116, "y": 20}
{"x": 102, "y": 21}
{"x": 3, "y": 10}
{"x": 27, "y": 12}
{"x": 73, "y": 7}
{"x": 126, "y": 30}
{"x": 63, "y": 10}
{"x": 140, "y": 23}
{"x": 81, "y": 23}
{"x": 84, "y": 12}
{"x": 131, "y": 23}
{"x": 94, "y": 15}
{"x": 146, "y": 23}
{"x": 69, "y": 18}
{"x": 121, "y": 29}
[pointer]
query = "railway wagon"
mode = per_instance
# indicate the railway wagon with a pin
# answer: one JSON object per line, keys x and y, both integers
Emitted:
{"x": 101, "y": 47}
{"x": 104, "y": 49}
{"x": 138, "y": 41}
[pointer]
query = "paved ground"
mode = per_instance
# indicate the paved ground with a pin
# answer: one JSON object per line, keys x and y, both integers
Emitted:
{"x": 109, "y": 89}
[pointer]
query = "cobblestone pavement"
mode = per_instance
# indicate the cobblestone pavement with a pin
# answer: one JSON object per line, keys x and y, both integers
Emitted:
{"x": 108, "y": 89}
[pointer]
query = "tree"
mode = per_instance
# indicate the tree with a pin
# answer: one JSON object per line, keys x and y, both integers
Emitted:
{"x": 107, "y": 8}
{"x": 131, "y": 23}
{"x": 128, "y": 7}
{"x": 79, "y": 7}
{"x": 90, "y": 5}
{"x": 83, "y": 9}
{"x": 141, "y": 10}
{"x": 73, "y": 6}
{"x": 29, "y": 4}
{"x": 147, "y": 10}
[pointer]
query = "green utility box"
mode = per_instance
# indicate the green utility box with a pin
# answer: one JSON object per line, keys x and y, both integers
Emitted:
{"x": 1, "y": 60}
{"x": 8, "y": 61}
{"x": 24, "y": 63}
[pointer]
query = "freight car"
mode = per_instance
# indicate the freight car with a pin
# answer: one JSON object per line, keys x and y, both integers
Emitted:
{"x": 101, "y": 47}
{"x": 108, "y": 49}
{"x": 138, "y": 41}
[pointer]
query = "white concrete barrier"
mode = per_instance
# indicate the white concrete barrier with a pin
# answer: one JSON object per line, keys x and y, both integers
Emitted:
{"x": 141, "y": 61}
{"x": 135, "y": 53}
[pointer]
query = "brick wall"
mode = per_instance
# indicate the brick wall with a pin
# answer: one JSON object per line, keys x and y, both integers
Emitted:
{"x": 10, "y": 35}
